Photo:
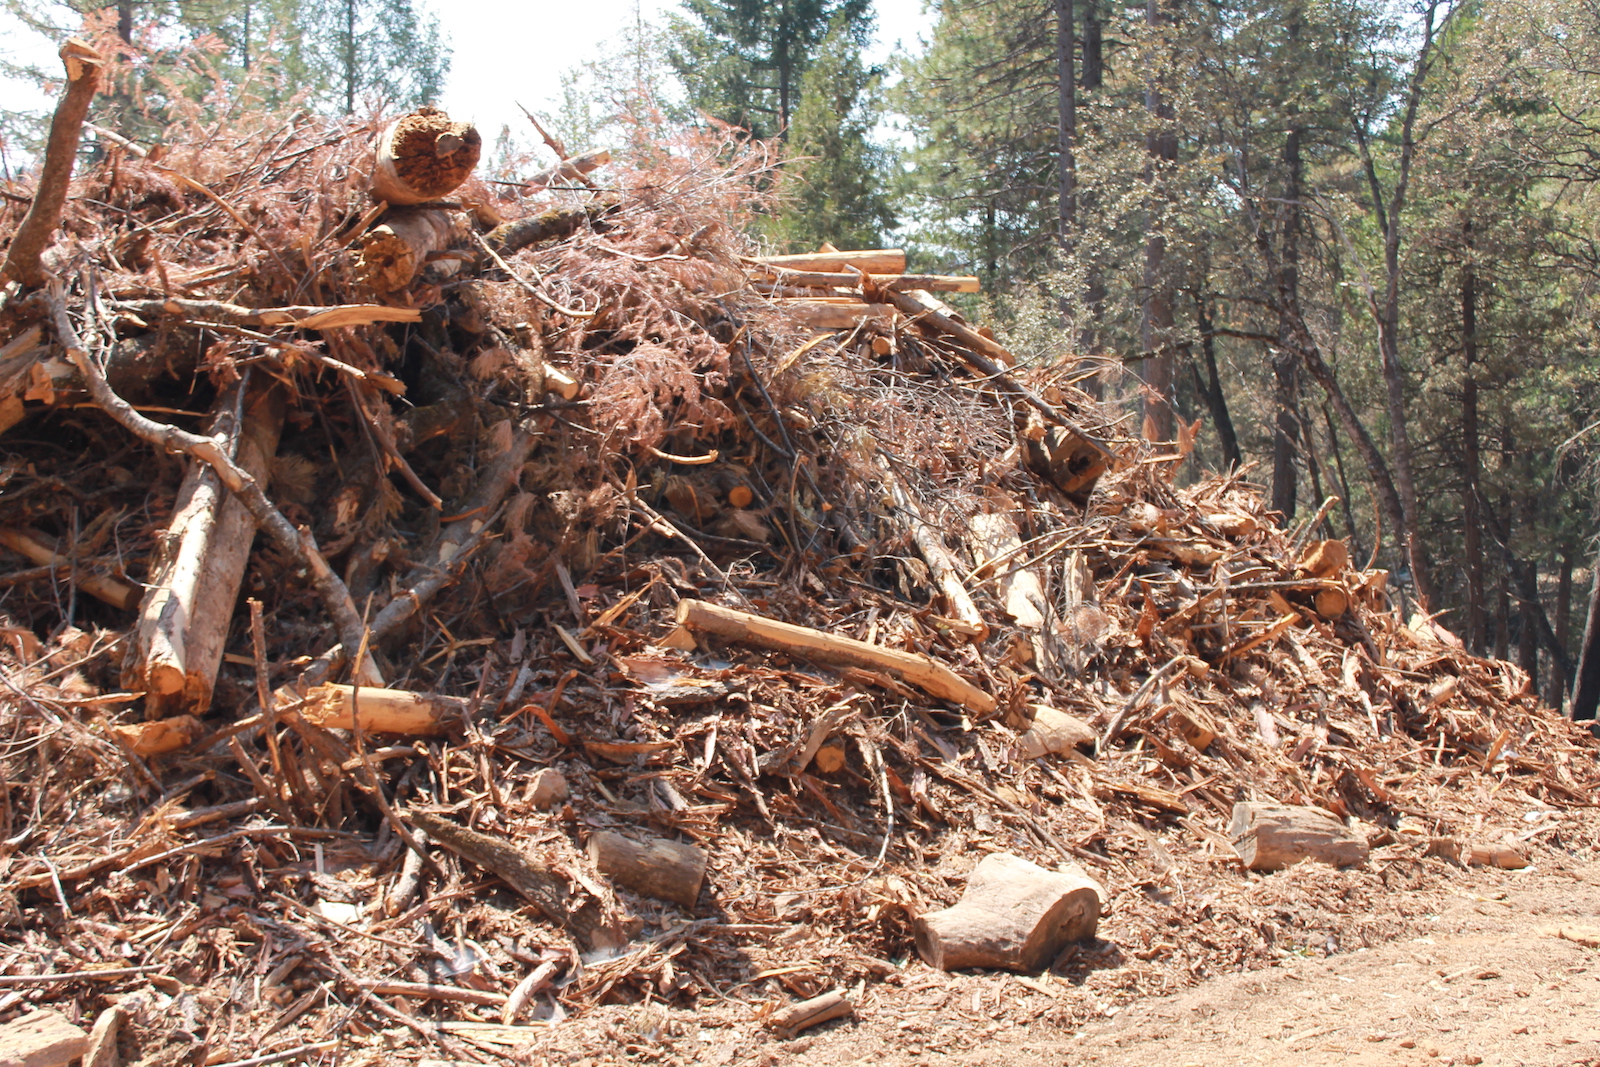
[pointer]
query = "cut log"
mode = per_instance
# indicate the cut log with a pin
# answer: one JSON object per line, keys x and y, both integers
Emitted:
{"x": 939, "y": 283}
{"x": 942, "y": 567}
{"x": 665, "y": 870}
{"x": 871, "y": 260}
{"x": 542, "y": 887}
{"x": 41, "y": 549}
{"x": 382, "y": 711}
{"x": 393, "y": 254}
{"x": 787, "y": 1022}
{"x": 424, "y": 156}
{"x": 1324, "y": 559}
{"x": 1064, "y": 458}
{"x": 922, "y": 671}
{"x": 1270, "y": 837}
{"x": 41, "y": 1039}
{"x": 200, "y": 562}
{"x": 1053, "y": 732}
{"x": 159, "y": 736}
{"x": 1014, "y": 916}
{"x": 569, "y": 169}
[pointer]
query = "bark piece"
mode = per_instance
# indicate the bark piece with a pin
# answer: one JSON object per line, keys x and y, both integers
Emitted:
{"x": 1053, "y": 732}
{"x": 548, "y": 788}
{"x": 542, "y": 887}
{"x": 424, "y": 156}
{"x": 871, "y": 260}
{"x": 923, "y": 671}
{"x": 335, "y": 706}
{"x": 1197, "y": 728}
{"x": 41, "y": 1039}
{"x": 787, "y": 1022}
{"x": 38, "y": 226}
{"x": 200, "y": 563}
{"x": 160, "y": 735}
{"x": 101, "y": 1050}
{"x": 1270, "y": 837}
{"x": 665, "y": 870}
{"x": 1014, "y": 916}
{"x": 393, "y": 254}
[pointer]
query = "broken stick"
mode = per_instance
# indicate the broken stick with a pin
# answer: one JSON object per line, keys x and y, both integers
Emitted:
{"x": 920, "y": 670}
{"x": 381, "y": 711}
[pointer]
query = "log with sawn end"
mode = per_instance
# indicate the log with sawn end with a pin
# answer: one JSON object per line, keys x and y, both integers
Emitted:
{"x": 423, "y": 156}
{"x": 201, "y": 559}
{"x": 920, "y": 670}
{"x": 1269, "y": 837}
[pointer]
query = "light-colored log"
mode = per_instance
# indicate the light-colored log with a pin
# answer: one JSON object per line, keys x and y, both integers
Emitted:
{"x": 942, "y": 567}
{"x": 787, "y": 1022}
{"x": 1014, "y": 916}
{"x": 200, "y": 562}
{"x": 424, "y": 156}
{"x": 41, "y": 549}
{"x": 871, "y": 260}
{"x": 1052, "y": 733}
{"x": 1270, "y": 837}
{"x": 41, "y": 1039}
{"x": 394, "y": 253}
{"x": 665, "y": 870}
{"x": 335, "y": 706}
{"x": 922, "y": 671}
{"x": 834, "y": 316}
{"x": 938, "y": 283}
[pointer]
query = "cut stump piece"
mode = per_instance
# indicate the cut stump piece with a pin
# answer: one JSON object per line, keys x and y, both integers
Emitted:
{"x": 382, "y": 711}
{"x": 41, "y": 1039}
{"x": 1270, "y": 837}
{"x": 395, "y": 252}
{"x": 665, "y": 870}
{"x": 923, "y": 671}
{"x": 1053, "y": 732}
{"x": 423, "y": 156}
{"x": 1014, "y": 916}
{"x": 808, "y": 1013}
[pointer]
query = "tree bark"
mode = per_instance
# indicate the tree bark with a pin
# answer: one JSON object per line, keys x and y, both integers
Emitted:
{"x": 1211, "y": 388}
{"x": 1155, "y": 334}
{"x": 1287, "y": 431}
{"x": 1586, "y": 694}
{"x": 1471, "y": 464}
{"x": 1560, "y": 672}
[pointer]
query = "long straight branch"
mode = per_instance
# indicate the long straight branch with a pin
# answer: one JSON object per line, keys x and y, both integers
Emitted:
{"x": 299, "y": 544}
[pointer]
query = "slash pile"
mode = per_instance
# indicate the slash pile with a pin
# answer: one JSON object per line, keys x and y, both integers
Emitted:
{"x": 277, "y": 795}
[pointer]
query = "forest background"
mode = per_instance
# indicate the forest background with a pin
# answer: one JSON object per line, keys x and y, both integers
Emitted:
{"x": 1350, "y": 245}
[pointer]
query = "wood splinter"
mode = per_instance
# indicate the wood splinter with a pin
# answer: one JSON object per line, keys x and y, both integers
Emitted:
{"x": 787, "y": 1022}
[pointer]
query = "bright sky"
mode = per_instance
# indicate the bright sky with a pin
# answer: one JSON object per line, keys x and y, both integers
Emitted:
{"x": 494, "y": 67}
{"x": 491, "y": 72}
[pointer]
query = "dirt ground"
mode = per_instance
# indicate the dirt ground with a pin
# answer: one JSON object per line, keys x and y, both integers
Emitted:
{"x": 1500, "y": 968}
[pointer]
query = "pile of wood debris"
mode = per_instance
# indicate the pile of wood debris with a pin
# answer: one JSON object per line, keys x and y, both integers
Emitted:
{"x": 637, "y": 620}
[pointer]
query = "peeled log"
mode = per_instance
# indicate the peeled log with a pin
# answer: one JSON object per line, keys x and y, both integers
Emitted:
{"x": 871, "y": 260}
{"x": 424, "y": 156}
{"x": 1270, "y": 837}
{"x": 1014, "y": 916}
{"x": 200, "y": 564}
{"x": 394, "y": 253}
{"x": 665, "y": 870}
{"x": 382, "y": 711}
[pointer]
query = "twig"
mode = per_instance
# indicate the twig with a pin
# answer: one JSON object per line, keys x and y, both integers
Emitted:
{"x": 392, "y": 450}
{"x": 299, "y": 544}
{"x": 286, "y": 1054}
{"x": 8, "y": 980}
{"x": 1114, "y": 727}
{"x": 537, "y": 292}
{"x": 33, "y": 235}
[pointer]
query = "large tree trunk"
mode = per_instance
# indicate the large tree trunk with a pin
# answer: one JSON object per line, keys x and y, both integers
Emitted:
{"x": 1586, "y": 695}
{"x": 1161, "y": 143}
{"x": 1555, "y": 693}
{"x": 1211, "y": 388}
{"x": 1286, "y": 438}
{"x": 1472, "y": 532}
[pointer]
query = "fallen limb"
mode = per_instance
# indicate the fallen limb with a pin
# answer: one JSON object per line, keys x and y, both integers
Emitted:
{"x": 298, "y": 544}
{"x": 789, "y": 1021}
{"x": 922, "y": 671}
{"x": 301, "y": 316}
{"x": 942, "y": 566}
{"x": 546, "y": 226}
{"x": 40, "y": 549}
{"x": 24, "y": 260}
{"x": 569, "y": 169}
